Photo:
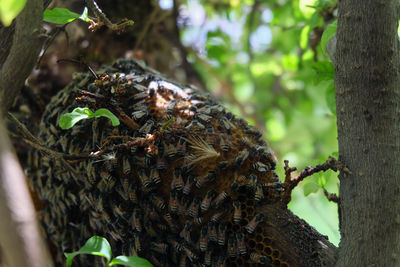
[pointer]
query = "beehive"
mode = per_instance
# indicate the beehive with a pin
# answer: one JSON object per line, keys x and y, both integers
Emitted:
{"x": 181, "y": 181}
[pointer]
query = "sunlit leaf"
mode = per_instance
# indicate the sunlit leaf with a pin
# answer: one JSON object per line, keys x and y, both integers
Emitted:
{"x": 96, "y": 245}
{"x": 330, "y": 97}
{"x": 9, "y": 9}
{"x": 327, "y": 35}
{"x": 310, "y": 188}
{"x": 324, "y": 71}
{"x": 131, "y": 261}
{"x": 102, "y": 112}
{"x": 68, "y": 120}
{"x": 59, "y": 15}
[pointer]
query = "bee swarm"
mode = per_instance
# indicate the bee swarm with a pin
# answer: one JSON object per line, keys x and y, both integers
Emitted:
{"x": 180, "y": 182}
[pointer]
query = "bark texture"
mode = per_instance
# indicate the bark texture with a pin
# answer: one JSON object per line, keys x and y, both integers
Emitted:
{"x": 367, "y": 97}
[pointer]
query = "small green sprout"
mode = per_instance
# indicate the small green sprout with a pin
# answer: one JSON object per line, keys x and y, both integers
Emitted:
{"x": 99, "y": 246}
{"x": 68, "y": 120}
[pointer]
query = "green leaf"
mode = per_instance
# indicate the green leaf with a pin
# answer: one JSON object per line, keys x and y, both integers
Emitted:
{"x": 335, "y": 155}
{"x": 321, "y": 181}
{"x": 330, "y": 97}
{"x": 9, "y": 9}
{"x": 131, "y": 261}
{"x": 68, "y": 120}
{"x": 60, "y": 15}
{"x": 324, "y": 71}
{"x": 327, "y": 35}
{"x": 310, "y": 188}
{"x": 103, "y": 112}
{"x": 96, "y": 245}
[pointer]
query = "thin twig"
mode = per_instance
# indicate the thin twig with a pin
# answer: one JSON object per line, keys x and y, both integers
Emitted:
{"x": 103, "y": 20}
{"x": 290, "y": 184}
{"x": 331, "y": 196}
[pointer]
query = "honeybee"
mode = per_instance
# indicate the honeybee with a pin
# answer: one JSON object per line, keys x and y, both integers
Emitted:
{"x": 258, "y": 258}
{"x": 237, "y": 211}
{"x": 259, "y": 166}
{"x": 241, "y": 157}
{"x": 185, "y": 233}
{"x": 212, "y": 232}
{"x": 189, "y": 184}
{"x": 251, "y": 226}
{"x": 241, "y": 245}
{"x": 157, "y": 202}
{"x": 231, "y": 247}
{"x": 205, "y": 204}
{"x": 259, "y": 193}
{"x": 177, "y": 181}
{"x": 155, "y": 176}
{"x": 221, "y": 234}
{"x": 219, "y": 199}
{"x": 159, "y": 247}
{"x": 203, "y": 240}
{"x": 193, "y": 210}
{"x": 126, "y": 166}
{"x": 173, "y": 201}
{"x": 136, "y": 220}
{"x": 142, "y": 113}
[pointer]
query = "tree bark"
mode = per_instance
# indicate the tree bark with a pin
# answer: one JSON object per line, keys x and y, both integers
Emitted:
{"x": 367, "y": 99}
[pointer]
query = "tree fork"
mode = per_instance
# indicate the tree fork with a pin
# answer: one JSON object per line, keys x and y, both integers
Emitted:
{"x": 367, "y": 104}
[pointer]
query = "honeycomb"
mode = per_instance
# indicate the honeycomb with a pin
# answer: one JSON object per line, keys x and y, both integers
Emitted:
{"x": 181, "y": 181}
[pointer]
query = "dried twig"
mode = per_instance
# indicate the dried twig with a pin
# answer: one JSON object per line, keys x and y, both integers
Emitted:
{"x": 331, "y": 196}
{"x": 290, "y": 184}
{"x": 103, "y": 20}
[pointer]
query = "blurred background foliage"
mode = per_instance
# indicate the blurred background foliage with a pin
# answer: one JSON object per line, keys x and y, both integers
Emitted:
{"x": 266, "y": 62}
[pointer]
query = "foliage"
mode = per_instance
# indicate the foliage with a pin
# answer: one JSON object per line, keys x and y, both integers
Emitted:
{"x": 68, "y": 120}
{"x": 63, "y": 15}
{"x": 267, "y": 62}
{"x": 99, "y": 246}
{"x": 9, "y": 9}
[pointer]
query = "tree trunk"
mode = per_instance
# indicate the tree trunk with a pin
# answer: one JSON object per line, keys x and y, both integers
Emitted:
{"x": 367, "y": 97}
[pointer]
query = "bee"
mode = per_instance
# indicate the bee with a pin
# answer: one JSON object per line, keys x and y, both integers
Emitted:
{"x": 63, "y": 140}
{"x": 205, "y": 179}
{"x": 177, "y": 181}
{"x": 106, "y": 217}
{"x": 114, "y": 235}
{"x": 161, "y": 163}
{"x": 182, "y": 262}
{"x": 231, "y": 247}
{"x": 241, "y": 157}
{"x": 159, "y": 247}
{"x": 258, "y": 258}
{"x": 144, "y": 179}
{"x": 168, "y": 218}
{"x": 132, "y": 194}
{"x": 136, "y": 220}
{"x": 259, "y": 166}
{"x": 195, "y": 123}
{"x": 241, "y": 245}
{"x": 181, "y": 147}
{"x": 138, "y": 244}
{"x": 203, "y": 239}
{"x": 140, "y": 95}
{"x": 205, "y": 204}
{"x": 259, "y": 193}
{"x": 221, "y": 234}
{"x": 198, "y": 220}
{"x": 238, "y": 182}
{"x": 212, "y": 232}
{"x": 226, "y": 123}
{"x": 189, "y": 184}
{"x": 237, "y": 211}
{"x": 118, "y": 211}
{"x": 219, "y": 199}
{"x": 183, "y": 203}
{"x": 126, "y": 166}
{"x": 204, "y": 117}
{"x": 146, "y": 128}
{"x": 217, "y": 216}
{"x": 185, "y": 233}
{"x": 170, "y": 150}
{"x": 149, "y": 229}
{"x": 157, "y": 201}
{"x": 142, "y": 113}
{"x": 222, "y": 165}
{"x": 155, "y": 176}
{"x": 251, "y": 226}
{"x": 193, "y": 209}
{"x": 251, "y": 182}
{"x": 175, "y": 244}
{"x": 245, "y": 141}
{"x": 173, "y": 201}
{"x": 171, "y": 106}
{"x": 207, "y": 257}
{"x": 148, "y": 160}
{"x": 224, "y": 144}
{"x": 190, "y": 254}
{"x": 140, "y": 105}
